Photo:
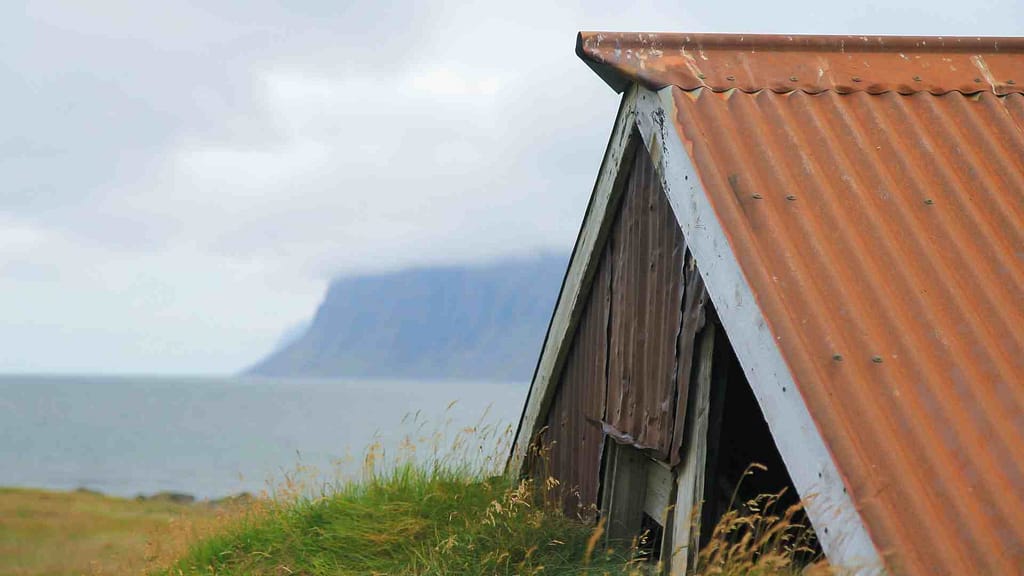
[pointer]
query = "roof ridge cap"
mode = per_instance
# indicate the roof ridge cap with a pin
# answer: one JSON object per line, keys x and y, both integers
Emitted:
{"x": 750, "y": 62}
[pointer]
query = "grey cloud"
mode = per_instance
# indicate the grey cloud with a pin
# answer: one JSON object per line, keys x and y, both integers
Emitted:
{"x": 179, "y": 179}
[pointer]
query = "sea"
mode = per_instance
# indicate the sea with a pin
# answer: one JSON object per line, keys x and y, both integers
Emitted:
{"x": 215, "y": 437}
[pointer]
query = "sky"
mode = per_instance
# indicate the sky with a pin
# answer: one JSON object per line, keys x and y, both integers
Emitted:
{"x": 179, "y": 181}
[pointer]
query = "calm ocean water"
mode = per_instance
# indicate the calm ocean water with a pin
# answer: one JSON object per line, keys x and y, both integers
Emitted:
{"x": 212, "y": 437}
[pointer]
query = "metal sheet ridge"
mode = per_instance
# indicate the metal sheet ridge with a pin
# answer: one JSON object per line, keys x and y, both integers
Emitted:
{"x": 812, "y": 64}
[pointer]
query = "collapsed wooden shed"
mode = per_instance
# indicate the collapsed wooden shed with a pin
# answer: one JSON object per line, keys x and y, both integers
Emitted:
{"x": 806, "y": 252}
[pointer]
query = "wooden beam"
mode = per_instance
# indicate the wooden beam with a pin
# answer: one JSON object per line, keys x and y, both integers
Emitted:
{"x": 660, "y": 487}
{"x": 720, "y": 375}
{"x": 626, "y": 492}
{"x": 690, "y": 489}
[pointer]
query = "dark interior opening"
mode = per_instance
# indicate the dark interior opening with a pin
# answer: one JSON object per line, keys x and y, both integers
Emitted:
{"x": 651, "y": 535}
{"x": 738, "y": 437}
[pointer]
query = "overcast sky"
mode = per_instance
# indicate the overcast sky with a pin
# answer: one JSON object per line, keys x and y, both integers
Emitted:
{"x": 179, "y": 181}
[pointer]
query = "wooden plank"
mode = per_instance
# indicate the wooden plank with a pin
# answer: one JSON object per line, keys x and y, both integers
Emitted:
{"x": 719, "y": 387}
{"x": 694, "y": 297}
{"x": 586, "y": 255}
{"x": 660, "y": 484}
{"x": 690, "y": 490}
{"x": 607, "y": 473}
{"x": 627, "y": 490}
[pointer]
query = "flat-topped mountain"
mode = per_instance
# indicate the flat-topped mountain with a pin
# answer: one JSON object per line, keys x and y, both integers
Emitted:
{"x": 472, "y": 322}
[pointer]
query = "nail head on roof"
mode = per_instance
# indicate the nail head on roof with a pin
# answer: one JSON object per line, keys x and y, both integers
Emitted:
{"x": 1011, "y": 81}
{"x": 856, "y": 78}
{"x": 792, "y": 78}
{"x": 876, "y": 359}
{"x": 917, "y": 78}
{"x": 791, "y": 197}
{"x": 757, "y": 196}
{"x": 929, "y": 201}
{"x": 730, "y": 78}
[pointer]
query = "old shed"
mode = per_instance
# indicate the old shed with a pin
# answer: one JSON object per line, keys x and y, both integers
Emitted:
{"x": 808, "y": 252}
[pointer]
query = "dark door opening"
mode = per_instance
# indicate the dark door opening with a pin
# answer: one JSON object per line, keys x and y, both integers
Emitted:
{"x": 738, "y": 436}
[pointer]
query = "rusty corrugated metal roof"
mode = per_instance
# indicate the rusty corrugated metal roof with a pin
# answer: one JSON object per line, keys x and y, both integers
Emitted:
{"x": 873, "y": 64}
{"x": 882, "y": 232}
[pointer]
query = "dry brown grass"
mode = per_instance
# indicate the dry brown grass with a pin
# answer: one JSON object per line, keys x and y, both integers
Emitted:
{"x": 168, "y": 542}
{"x": 756, "y": 538}
{"x": 45, "y": 533}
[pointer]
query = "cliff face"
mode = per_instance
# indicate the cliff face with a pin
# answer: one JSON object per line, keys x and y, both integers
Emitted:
{"x": 485, "y": 322}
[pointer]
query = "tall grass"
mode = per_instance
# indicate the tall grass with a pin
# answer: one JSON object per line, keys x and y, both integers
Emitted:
{"x": 755, "y": 538}
{"x": 440, "y": 504}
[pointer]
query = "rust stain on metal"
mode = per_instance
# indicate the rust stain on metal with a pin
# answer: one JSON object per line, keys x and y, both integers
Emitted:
{"x": 873, "y": 64}
{"x": 894, "y": 286}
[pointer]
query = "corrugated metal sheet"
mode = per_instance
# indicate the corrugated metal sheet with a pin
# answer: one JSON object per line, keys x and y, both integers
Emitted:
{"x": 573, "y": 425}
{"x": 646, "y": 313}
{"x": 883, "y": 236}
{"x": 693, "y": 321}
{"x": 635, "y": 334}
{"x": 875, "y": 64}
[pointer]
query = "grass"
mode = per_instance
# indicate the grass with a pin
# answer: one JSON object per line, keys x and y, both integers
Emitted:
{"x": 411, "y": 521}
{"x": 454, "y": 514}
{"x": 45, "y": 533}
{"x": 449, "y": 511}
{"x": 757, "y": 539}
